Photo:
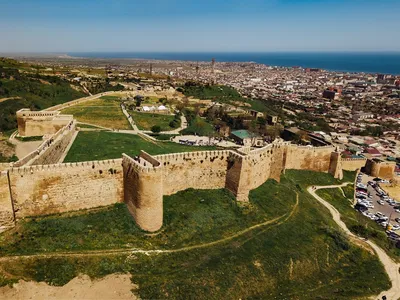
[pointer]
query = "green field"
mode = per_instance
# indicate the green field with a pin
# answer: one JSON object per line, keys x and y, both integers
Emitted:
{"x": 145, "y": 121}
{"x": 357, "y": 223}
{"x": 302, "y": 255}
{"x": 105, "y": 111}
{"x": 90, "y": 145}
{"x": 199, "y": 126}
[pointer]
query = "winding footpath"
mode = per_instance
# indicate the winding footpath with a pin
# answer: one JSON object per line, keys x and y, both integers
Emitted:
{"x": 268, "y": 224}
{"x": 391, "y": 267}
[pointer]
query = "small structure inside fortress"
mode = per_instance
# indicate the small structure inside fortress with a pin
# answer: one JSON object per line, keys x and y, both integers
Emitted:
{"x": 39, "y": 123}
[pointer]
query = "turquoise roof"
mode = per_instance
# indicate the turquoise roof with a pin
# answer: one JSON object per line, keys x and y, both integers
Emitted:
{"x": 242, "y": 134}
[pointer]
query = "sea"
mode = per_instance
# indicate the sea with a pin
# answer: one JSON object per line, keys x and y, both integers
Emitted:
{"x": 368, "y": 62}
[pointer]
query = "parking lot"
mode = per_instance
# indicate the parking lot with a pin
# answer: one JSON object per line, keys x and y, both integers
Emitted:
{"x": 380, "y": 206}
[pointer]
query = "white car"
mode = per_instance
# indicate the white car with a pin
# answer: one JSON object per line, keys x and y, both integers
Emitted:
{"x": 396, "y": 227}
{"x": 397, "y": 210}
{"x": 381, "y": 202}
{"x": 384, "y": 224}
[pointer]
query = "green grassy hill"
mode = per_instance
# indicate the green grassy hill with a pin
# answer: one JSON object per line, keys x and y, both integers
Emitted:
{"x": 276, "y": 247}
{"x": 228, "y": 95}
{"x": 34, "y": 91}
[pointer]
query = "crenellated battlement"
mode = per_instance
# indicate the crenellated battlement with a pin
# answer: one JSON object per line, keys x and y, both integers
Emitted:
{"x": 355, "y": 159}
{"x": 146, "y": 178}
{"x": 312, "y": 147}
{"x": 187, "y": 155}
{"x": 78, "y": 165}
{"x": 140, "y": 165}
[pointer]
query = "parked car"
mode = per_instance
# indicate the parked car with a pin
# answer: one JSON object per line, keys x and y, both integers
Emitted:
{"x": 381, "y": 202}
{"x": 384, "y": 224}
{"x": 396, "y": 227}
{"x": 361, "y": 186}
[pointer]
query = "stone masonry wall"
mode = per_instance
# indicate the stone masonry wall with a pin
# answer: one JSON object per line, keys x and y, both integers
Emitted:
{"x": 6, "y": 211}
{"x": 55, "y": 151}
{"x": 141, "y": 182}
{"x": 51, "y": 150}
{"x": 309, "y": 158}
{"x": 147, "y": 178}
{"x": 198, "y": 170}
{"x": 40, "y": 190}
{"x": 5, "y": 166}
{"x": 143, "y": 192}
{"x": 352, "y": 164}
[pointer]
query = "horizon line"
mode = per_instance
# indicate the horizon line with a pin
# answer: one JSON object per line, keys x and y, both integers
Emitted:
{"x": 207, "y": 51}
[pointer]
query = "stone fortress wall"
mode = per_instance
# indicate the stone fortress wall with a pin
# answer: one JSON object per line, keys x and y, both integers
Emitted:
{"x": 51, "y": 150}
{"x": 6, "y": 208}
{"x": 80, "y": 100}
{"x": 38, "y": 123}
{"x": 49, "y": 189}
{"x": 353, "y": 164}
{"x": 38, "y": 185}
{"x": 379, "y": 168}
{"x": 143, "y": 181}
{"x": 148, "y": 178}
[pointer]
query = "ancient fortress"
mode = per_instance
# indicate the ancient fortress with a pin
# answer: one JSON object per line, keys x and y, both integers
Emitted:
{"x": 39, "y": 185}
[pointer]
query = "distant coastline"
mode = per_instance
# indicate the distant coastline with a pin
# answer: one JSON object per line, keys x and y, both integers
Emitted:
{"x": 367, "y": 62}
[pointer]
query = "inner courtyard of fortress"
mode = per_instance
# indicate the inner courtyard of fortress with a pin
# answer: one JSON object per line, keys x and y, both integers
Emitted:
{"x": 39, "y": 184}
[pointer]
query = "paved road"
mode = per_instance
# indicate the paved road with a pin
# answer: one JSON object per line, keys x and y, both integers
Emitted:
{"x": 392, "y": 269}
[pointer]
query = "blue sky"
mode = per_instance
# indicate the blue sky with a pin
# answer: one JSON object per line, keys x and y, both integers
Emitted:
{"x": 206, "y": 25}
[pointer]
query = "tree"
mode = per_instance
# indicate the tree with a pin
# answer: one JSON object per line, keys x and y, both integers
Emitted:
{"x": 197, "y": 109}
{"x": 156, "y": 129}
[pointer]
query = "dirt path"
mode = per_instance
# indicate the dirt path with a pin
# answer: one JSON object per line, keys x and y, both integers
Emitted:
{"x": 113, "y": 286}
{"x": 392, "y": 269}
{"x": 344, "y": 195}
{"x": 276, "y": 222}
